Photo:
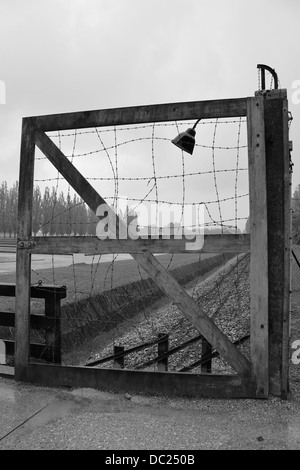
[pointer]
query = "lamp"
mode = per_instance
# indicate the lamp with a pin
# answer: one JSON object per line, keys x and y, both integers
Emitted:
{"x": 186, "y": 140}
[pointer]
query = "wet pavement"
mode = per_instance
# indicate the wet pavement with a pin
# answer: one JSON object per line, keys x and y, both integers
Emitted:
{"x": 34, "y": 417}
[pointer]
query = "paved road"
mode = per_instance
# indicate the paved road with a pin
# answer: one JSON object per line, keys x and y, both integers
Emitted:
{"x": 33, "y": 417}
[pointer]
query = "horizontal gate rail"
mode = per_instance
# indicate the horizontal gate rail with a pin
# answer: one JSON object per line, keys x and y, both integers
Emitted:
{"x": 235, "y": 107}
{"x": 212, "y": 243}
{"x": 169, "y": 383}
{"x": 40, "y": 291}
{"x": 37, "y": 322}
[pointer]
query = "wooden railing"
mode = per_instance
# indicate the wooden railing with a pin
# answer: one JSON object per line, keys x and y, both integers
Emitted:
{"x": 164, "y": 352}
{"x": 49, "y": 321}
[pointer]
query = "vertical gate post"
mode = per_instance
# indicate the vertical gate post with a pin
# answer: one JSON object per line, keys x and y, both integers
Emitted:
{"x": 22, "y": 306}
{"x": 279, "y": 243}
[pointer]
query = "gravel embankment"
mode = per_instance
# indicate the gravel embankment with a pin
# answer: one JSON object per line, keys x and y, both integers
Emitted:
{"x": 224, "y": 296}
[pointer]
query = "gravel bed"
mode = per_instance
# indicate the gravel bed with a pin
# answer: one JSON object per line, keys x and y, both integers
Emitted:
{"x": 224, "y": 296}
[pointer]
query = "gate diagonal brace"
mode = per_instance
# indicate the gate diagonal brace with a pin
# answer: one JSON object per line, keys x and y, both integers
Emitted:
{"x": 148, "y": 262}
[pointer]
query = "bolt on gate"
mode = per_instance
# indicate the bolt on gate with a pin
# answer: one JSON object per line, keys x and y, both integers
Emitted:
{"x": 266, "y": 370}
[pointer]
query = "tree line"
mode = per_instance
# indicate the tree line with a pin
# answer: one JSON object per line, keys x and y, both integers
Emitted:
{"x": 52, "y": 213}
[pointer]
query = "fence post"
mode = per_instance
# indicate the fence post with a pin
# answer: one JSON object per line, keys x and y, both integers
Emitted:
{"x": 53, "y": 335}
{"x": 118, "y": 360}
{"x": 163, "y": 347}
{"x": 206, "y": 351}
{"x": 23, "y": 259}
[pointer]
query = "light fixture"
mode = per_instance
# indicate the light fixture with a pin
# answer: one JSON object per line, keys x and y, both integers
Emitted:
{"x": 186, "y": 140}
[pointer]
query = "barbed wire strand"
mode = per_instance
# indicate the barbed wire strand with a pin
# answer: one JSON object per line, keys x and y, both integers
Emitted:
{"x": 220, "y": 222}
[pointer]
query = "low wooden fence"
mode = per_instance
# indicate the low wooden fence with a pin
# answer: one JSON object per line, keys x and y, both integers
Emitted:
{"x": 50, "y": 321}
{"x": 164, "y": 352}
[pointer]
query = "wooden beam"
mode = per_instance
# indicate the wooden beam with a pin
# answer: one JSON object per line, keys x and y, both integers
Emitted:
{"x": 36, "y": 321}
{"x": 7, "y": 319}
{"x": 259, "y": 244}
{"x": 69, "y": 172}
{"x": 167, "y": 383}
{"x": 278, "y": 197}
{"x": 149, "y": 263}
{"x": 226, "y": 108}
{"x": 287, "y": 214}
{"x": 216, "y": 243}
{"x": 23, "y": 259}
{"x": 43, "y": 291}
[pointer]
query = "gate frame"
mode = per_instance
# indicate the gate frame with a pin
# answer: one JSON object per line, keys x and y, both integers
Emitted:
{"x": 269, "y": 181}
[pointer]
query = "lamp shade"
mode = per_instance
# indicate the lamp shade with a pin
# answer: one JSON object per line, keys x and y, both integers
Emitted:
{"x": 185, "y": 140}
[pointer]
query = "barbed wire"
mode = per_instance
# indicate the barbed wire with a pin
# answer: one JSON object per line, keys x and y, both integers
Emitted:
{"x": 214, "y": 173}
{"x": 163, "y": 201}
{"x": 70, "y": 218}
{"x": 141, "y": 139}
{"x": 237, "y": 171}
{"x": 151, "y": 192}
{"x": 146, "y": 178}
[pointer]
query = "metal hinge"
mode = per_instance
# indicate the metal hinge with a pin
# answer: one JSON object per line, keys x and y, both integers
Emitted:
{"x": 26, "y": 244}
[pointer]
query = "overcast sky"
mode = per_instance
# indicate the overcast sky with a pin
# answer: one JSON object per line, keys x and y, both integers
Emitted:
{"x": 73, "y": 55}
